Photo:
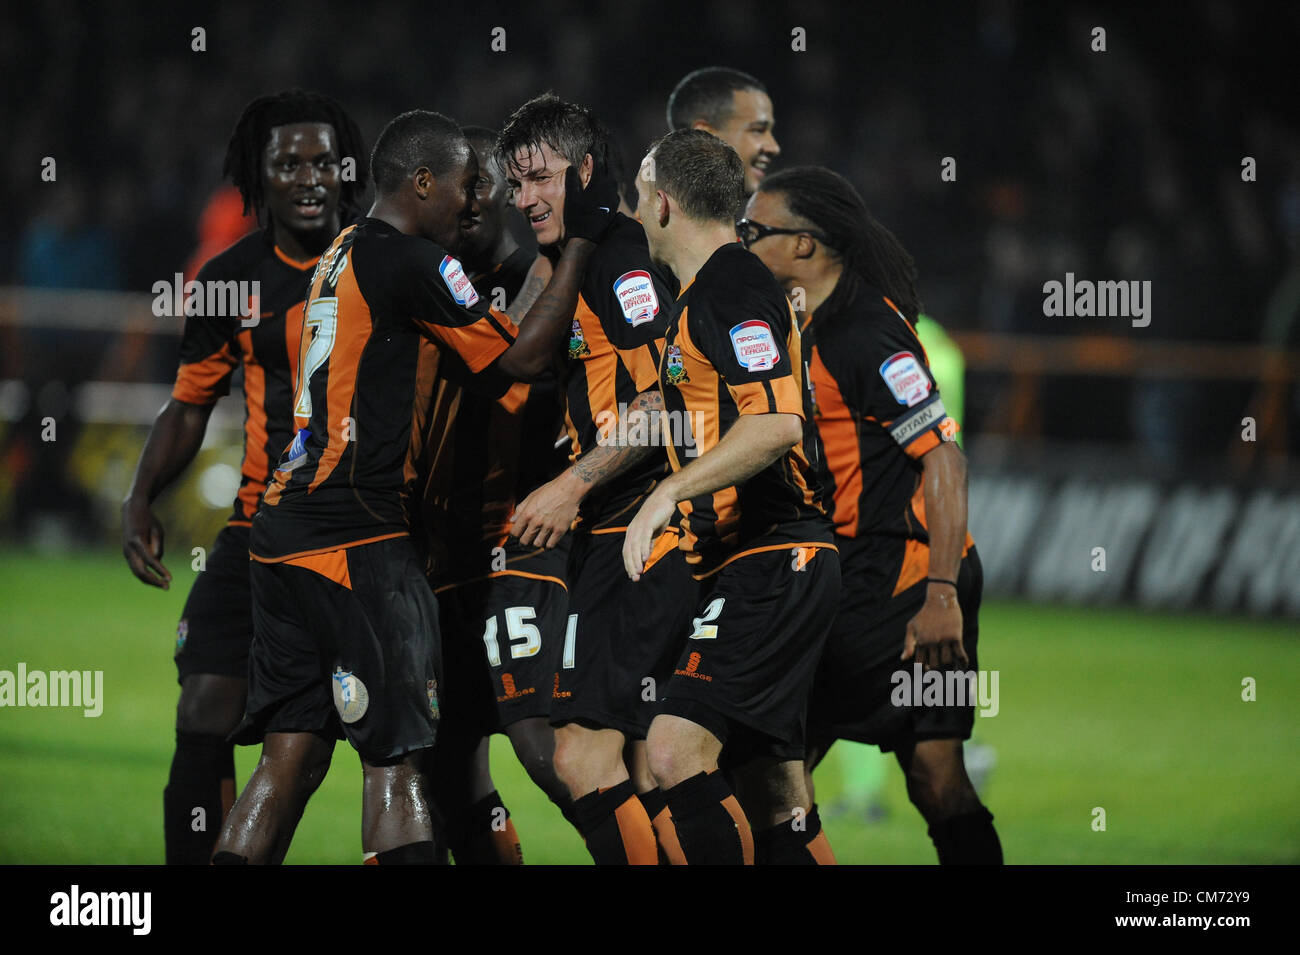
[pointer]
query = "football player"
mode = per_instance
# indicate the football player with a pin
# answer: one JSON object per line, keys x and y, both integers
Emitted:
{"x": 285, "y": 156}
{"x": 912, "y": 577}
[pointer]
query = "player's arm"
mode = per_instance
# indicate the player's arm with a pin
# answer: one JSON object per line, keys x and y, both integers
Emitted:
{"x": 751, "y": 444}
{"x": 547, "y": 513}
{"x": 533, "y": 350}
{"x": 173, "y": 442}
{"x": 539, "y": 274}
{"x": 934, "y": 634}
{"x": 209, "y": 355}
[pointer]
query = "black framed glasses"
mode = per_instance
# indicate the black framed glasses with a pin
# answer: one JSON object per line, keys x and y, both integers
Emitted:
{"x": 749, "y": 232}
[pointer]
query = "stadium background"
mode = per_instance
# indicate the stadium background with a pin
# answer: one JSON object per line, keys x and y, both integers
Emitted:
{"x": 1123, "y": 686}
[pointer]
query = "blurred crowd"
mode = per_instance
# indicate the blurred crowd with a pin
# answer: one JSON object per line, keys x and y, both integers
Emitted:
{"x": 1122, "y": 164}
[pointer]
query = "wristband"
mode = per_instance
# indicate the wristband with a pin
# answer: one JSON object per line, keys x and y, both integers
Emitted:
{"x": 940, "y": 580}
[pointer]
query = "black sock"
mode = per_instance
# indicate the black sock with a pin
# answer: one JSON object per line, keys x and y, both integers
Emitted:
{"x": 710, "y": 825}
{"x": 200, "y": 765}
{"x": 597, "y": 817}
{"x": 968, "y": 839}
{"x": 413, "y": 853}
{"x": 783, "y": 844}
{"x": 482, "y": 834}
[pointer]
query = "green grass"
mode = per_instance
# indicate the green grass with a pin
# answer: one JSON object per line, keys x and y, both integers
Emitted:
{"x": 1136, "y": 713}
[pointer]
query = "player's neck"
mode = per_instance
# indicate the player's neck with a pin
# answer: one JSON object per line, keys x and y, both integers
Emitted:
{"x": 301, "y": 247}
{"x": 391, "y": 211}
{"x": 696, "y": 246}
{"x": 819, "y": 283}
{"x": 506, "y": 247}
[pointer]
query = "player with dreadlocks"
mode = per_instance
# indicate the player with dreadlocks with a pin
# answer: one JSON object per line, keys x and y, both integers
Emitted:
{"x": 290, "y": 156}
{"x": 911, "y": 576}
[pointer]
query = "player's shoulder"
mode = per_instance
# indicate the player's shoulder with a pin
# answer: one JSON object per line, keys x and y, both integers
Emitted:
{"x": 858, "y": 319}
{"x": 239, "y": 258}
{"x": 735, "y": 281}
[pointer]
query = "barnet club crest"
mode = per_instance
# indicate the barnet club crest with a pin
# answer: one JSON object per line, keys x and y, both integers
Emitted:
{"x": 675, "y": 369}
{"x": 577, "y": 344}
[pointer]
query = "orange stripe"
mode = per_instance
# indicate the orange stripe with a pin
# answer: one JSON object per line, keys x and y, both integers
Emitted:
{"x": 666, "y": 834}
{"x": 636, "y": 832}
{"x": 743, "y": 832}
{"x": 302, "y": 265}
{"x": 815, "y": 545}
{"x": 256, "y": 463}
{"x": 353, "y": 328}
{"x": 196, "y": 382}
{"x": 502, "y": 573}
{"x": 325, "y": 550}
{"x": 839, "y": 434}
{"x": 332, "y": 565}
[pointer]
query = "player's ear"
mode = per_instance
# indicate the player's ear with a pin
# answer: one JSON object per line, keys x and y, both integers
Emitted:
{"x": 423, "y": 181}
{"x": 584, "y": 171}
{"x": 661, "y": 207}
{"x": 702, "y": 124}
{"x": 804, "y": 246}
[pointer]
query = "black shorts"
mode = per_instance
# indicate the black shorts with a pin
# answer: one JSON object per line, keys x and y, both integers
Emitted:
{"x": 501, "y": 641}
{"x": 752, "y": 650}
{"x": 216, "y": 626}
{"x": 359, "y": 661}
{"x": 864, "y": 692}
{"x": 623, "y": 636}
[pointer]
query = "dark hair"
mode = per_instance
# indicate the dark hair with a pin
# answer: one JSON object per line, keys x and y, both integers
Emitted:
{"x": 243, "y": 163}
{"x": 707, "y": 94}
{"x": 483, "y": 141}
{"x": 417, "y": 138}
{"x": 704, "y": 174}
{"x": 826, "y": 201}
{"x": 569, "y": 129}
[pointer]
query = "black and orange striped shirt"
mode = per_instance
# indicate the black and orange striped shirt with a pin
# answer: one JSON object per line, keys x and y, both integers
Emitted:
{"x": 213, "y": 347}
{"x": 879, "y": 411}
{"x": 346, "y": 477}
{"x": 733, "y": 348}
{"x": 612, "y": 355}
{"x": 481, "y": 452}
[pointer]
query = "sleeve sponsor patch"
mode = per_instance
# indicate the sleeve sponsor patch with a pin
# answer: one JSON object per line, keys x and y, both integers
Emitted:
{"x": 458, "y": 283}
{"x": 906, "y": 378}
{"x": 636, "y": 296}
{"x": 754, "y": 346}
{"x": 921, "y": 420}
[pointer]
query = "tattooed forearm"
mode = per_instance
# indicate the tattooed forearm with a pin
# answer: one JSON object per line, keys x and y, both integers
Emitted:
{"x": 534, "y": 282}
{"x": 606, "y": 460}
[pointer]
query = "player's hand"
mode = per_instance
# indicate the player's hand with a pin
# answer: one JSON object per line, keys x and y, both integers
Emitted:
{"x": 589, "y": 212}
{"x": 546, "y": 515}
{"x": 649, "y": 523}
{"x": 142, "y": 543}
{"x": 934, "y": 634}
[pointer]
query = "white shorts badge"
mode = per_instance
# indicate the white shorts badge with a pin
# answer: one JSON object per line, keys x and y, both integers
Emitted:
{"x": 636, "y": 296}
{"x": 351, "y": 698}
{"x": 458, "y": 283}
{"x": 905, "y": 378}
{"x": 754, "y": 346}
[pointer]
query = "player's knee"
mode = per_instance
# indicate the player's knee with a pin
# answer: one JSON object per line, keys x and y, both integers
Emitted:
{"x": 670, "y": 763}
{"x": 210, "y": 704}
{"x": 937, "y": 782}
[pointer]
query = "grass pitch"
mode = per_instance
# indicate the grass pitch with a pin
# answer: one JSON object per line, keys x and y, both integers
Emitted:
{"x": 1136, "y": 714}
